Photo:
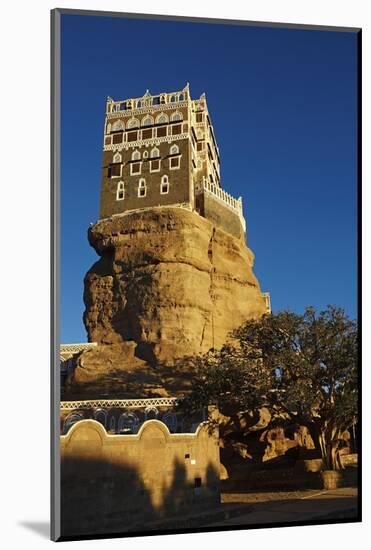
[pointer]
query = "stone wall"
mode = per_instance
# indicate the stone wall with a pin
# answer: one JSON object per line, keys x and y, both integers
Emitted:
{"x": 220, "y": 215}
{"x": 179, "y": 180}
{"x": 117, "y": 483}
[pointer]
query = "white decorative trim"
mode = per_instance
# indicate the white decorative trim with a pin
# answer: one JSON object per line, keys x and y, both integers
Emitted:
{"x": 119, "y": 403}
{"x": 77, "y": 348}
{"x": 141, "y": 143}
{"x": 152, "y": 109}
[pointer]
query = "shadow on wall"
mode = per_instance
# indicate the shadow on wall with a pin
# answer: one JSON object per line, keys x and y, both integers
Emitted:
{"x": 126, "y": 483}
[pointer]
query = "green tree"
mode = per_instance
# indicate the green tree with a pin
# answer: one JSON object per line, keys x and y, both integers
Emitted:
{"x": 302, "y": 367}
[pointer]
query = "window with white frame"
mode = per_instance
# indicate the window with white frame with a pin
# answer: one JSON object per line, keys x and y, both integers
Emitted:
{"x": 135, "y": 155}
{"x": 174, "y": 161}
{"x": 117, "y": 158}
{"x": 176, "y": 116}
{"x": 155, "y": 152}
{"x": 162, "y": 119}
{"x": 142, "y": 188}
{"x": 155, "y": 165}
{"x": 147, "y": 121}
{"x": 164, "y": 188}
{"x": 117, "y": 126}
{"x": 135, "y": 168}
{"x": 133, "y": 123}
{"x": 120, "y": 193}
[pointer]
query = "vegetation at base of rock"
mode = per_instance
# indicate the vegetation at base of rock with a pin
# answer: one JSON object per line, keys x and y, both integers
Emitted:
{"x": 303, "y": 368}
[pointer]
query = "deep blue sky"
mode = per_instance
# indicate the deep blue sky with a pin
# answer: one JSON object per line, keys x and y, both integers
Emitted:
{"x": 283, "y": 106}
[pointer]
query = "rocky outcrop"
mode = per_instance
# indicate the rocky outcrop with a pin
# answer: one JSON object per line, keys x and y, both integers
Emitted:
{"x": 169, "y": 281}
{"x": 168, "y": 285}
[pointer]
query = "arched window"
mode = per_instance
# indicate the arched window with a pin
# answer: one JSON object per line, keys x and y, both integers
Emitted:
{"x": 100, "y": 415}
{"x": 150, "y": 412}
{"x": 155, "y": 152}
{"x": 135, "y": 155}
{"x": 164, "y": 187}
{"x": 71, "y": 420}
{"x": 120, "y": 193}
{"x": 147, "y": 121}
{"x": 128, "y": 423}
{"x": 117, "y": 126}
{"x": 142, "y": 188}
{"x": 171, "y": 421}
{"x": 117, "y": 158}
{"x": 108, "y": 129}
{"x": 174, "y": 150}
{"x": 176, "y": 116}
{"x": 133, "y": 123}
{"x": 162, "y": 119}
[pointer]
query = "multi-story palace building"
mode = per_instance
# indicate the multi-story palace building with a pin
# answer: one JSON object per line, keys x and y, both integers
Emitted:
{"x": 160, "y": 150}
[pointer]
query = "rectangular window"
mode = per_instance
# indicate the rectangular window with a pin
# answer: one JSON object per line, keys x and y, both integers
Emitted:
{"x": 164, "y": 188}
{"x": 117, "y": 138}
{"x": 177, "y": 129}
{"x": 147, "y": 134}
{"x": 108, "y": 140}
{"x": 174, "y": 163}
{"x": 132, "y": 136}
{"x": 155, "y": 166}
{"x": 162, "y": 131}
{"x": 135, "y": 168}
{"x": 200, "y": 146}
{"x": 114, "y": 171}
{"x": 199, "y": 117}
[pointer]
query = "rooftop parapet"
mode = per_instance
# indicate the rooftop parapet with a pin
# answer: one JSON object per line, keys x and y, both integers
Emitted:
{"x": 148, "y": 100}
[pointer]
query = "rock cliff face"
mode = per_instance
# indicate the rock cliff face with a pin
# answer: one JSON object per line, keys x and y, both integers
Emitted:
{"x": 169, "y": 281}
{"x": 168, "y": 285}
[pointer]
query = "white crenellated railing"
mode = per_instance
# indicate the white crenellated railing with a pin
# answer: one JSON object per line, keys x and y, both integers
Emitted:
{"x": 224, "y": 197}
{"x": 119, "y": 403}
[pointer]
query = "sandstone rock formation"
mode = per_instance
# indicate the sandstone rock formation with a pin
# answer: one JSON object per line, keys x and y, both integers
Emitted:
{"x": 169, "y": 282}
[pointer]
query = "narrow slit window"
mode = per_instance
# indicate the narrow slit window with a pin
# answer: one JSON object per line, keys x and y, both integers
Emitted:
{"x": 120, "y": 193}
{"x": 164, "y": 188}
{"x": 142, "y": 188}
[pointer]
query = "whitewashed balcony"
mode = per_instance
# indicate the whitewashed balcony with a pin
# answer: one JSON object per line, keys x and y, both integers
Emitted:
{"x": 223, "y": 197}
